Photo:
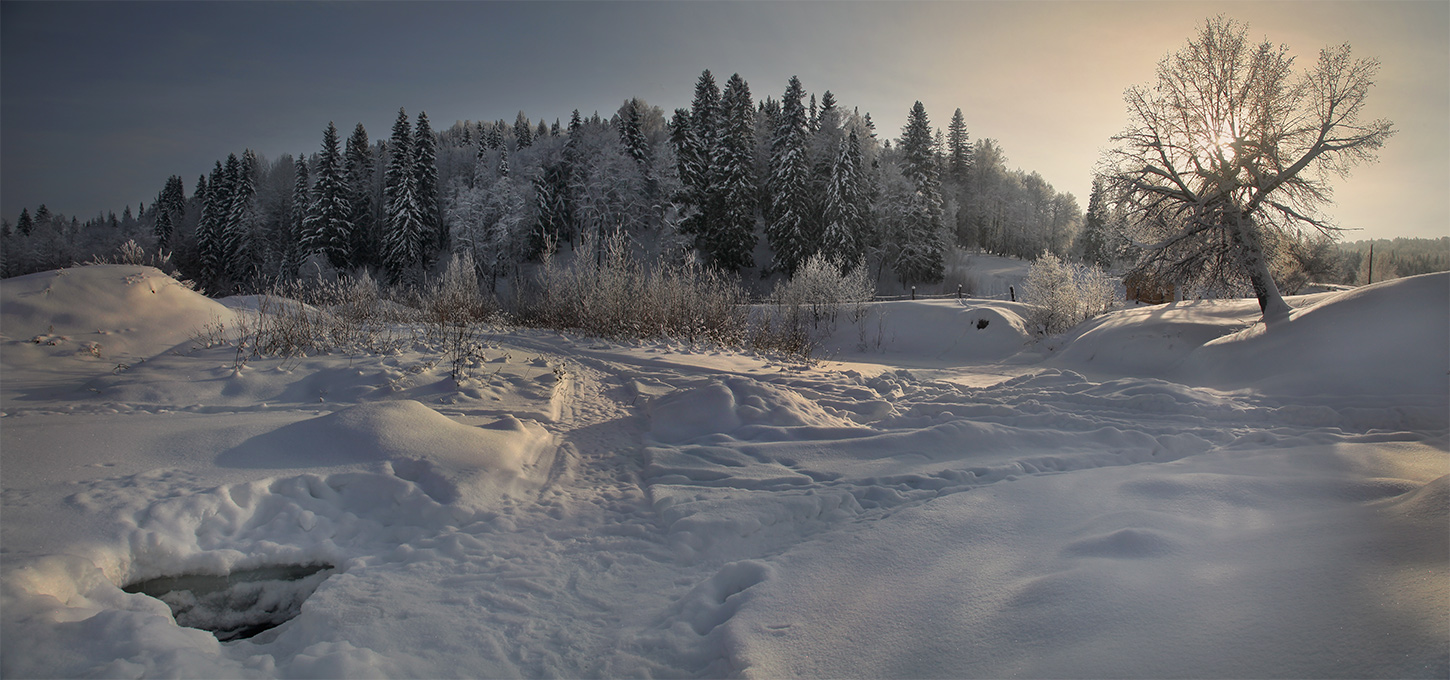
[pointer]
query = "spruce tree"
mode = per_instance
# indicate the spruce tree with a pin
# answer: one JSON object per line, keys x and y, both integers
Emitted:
{"x": 208, "y": 229}
{"x": 959, "y": 149}
{"x": 293, "y": 252}
{"x": 170, "y": 205}
{"x": 1094, "y": 238}
{"x": 922, "y": 250}
{"x": 730, "y": 242}
{"x": 425, "y": 173}
{"x": 237, "y": 246}
{"x": 789, "y": 226}
{"x": 631, "y": 137}
{"x": 329, "y": 226}
{"x": 405, "y": 236}
{"x": 523, "y": 135}
{"x": 358, "y": 178}
{"x": 25, "y": 225}
{"x": 846, "y": 205}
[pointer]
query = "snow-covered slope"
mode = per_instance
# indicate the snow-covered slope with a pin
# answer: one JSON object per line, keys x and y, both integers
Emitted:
{"x": 1168, "y": 492}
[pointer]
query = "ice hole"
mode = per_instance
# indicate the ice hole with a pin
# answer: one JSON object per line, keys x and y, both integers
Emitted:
{"x": 982, "y": 323}
{"x": 238, "y": 605}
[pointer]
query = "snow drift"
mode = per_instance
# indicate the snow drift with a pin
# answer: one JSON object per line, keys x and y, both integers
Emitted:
{"x": 1168, "y": 492}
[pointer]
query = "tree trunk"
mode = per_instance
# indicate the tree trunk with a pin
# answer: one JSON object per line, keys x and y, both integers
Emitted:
{"x": 1245, "y": 235}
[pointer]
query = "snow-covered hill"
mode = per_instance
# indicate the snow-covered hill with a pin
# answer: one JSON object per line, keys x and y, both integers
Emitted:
{"x": 1168, "y": 491}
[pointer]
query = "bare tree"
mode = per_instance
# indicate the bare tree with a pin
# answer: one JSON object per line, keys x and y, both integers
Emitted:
{"x": 1231, "y": 151}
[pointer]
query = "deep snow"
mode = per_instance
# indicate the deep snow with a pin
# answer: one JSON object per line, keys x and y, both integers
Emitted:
{"x": 1168, "y": 491}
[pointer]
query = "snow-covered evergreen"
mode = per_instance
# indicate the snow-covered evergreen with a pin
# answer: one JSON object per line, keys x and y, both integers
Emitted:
{"x": 328, "y": 228}
{"x": 789, "y": 228}
{"x": 405, "y": 236}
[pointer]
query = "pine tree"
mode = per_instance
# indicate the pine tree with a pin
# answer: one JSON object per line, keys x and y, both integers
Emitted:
{"x": 695, "y": 137}
{"x": 959, "y": 149}
{"x": 542, "y": 131}
{"x": 789, "y": 227}
{"x": 25, "y": 224}
{"x": 293, "y": 251}
{"x": 631, "y": 137}
{"x": 1094, "y": 237}
{"x": 425, "y": 174}
{"x": 404, "y": 239}
{"x": 358, "y": 179}
{"x": 922, "y": 251}
{"x": 238, "y": 248}
{"x": 575, "y": 122}
{"x": 830, "y": 117}
{"x": 170, "y": 205}
{"x": 555, "y": 210}
{"x": 523, "y": 136}
{"x": 846, "y": 205}
{"x": 209, "y": 227}
{"x": 328, "y": 229}
{"x": 730, "y": 242}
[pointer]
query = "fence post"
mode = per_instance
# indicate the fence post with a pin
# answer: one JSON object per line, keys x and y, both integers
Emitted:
{"x": 913, "y": 292}
{"x": 959, "y": 291}
{"x": 1013, "y": 292}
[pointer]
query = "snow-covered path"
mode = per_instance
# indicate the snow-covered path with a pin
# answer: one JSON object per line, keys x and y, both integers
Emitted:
{"x": 589, "y": 509}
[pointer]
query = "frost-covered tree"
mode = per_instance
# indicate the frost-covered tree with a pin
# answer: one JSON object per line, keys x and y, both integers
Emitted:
{"x": 959, "y": 149}
{"x": 921, "y": 254}
{"x": 846, "y": 206}
{"x": 1230, "y": 150}
{"x": 25, "y": 224}
{"x": 729, "y": 242}
{"x": 293, "y": 249}
{"x": 170, "y": 206}
{"x": 789, "y": 228}
{"x": 240, "y": 250}
{"x": 358, "y": 177}
{"x": 1093, "y": 239}
{"x": 631, "y": 136}
{"x": 523, "y": 135}
{"x": 210, "y": 255}
{"x": 425, "y": 173}
{"x": 328, "y": 227}
{"x": 405, "y": 236}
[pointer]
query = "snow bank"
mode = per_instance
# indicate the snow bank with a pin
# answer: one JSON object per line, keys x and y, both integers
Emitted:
{"x": 1386, "y": 339}
{"x": 470, "y": 467}
{"x": 697, "y": 513}
{"x": 930, "y": 333}
{"x": 1390, "y": 338}
{"x": 125, "y": 311}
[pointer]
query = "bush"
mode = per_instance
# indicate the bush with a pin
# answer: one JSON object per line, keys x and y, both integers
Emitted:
{"x": 1061, "y": 295}
{"x": 804, "y": 309}
{"x": 606, "y": 292}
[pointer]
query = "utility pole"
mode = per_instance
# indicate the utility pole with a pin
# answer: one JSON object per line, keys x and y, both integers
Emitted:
{"x": 1371, "y": 264}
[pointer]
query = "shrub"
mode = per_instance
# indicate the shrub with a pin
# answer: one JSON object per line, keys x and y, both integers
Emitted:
{"x": 1061, "y": 295}
{"x": 606, "y": 292}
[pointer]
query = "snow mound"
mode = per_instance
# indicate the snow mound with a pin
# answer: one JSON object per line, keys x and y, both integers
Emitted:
{"x": 1388, "y": 338}
{"x": 123, "y": 311}
{"x": 472, "y": 467}
{"x": 932, "y": 332}
{"x": 734, "y": 404}
{"x": 1150, "y": 341}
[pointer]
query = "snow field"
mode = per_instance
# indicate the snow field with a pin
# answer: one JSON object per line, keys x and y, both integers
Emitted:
{"x": 954, "y": 501}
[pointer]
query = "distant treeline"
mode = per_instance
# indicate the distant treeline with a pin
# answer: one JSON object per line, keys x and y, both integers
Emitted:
{"x": 1394, "y": 258}
{"x": 750, "y": 187}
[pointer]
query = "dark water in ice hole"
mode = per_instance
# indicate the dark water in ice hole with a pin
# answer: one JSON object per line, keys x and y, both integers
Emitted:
{"x": 238, "y": 605}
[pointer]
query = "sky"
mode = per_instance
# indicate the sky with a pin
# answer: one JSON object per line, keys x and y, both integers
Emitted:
{"x": 101, "y": 102}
